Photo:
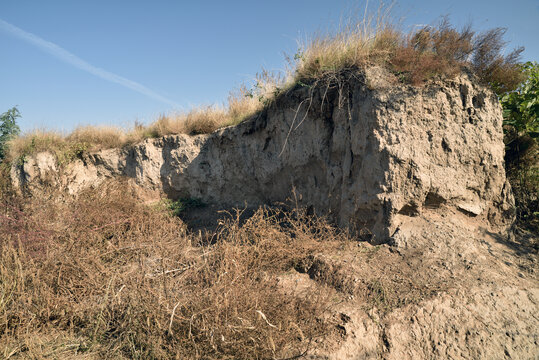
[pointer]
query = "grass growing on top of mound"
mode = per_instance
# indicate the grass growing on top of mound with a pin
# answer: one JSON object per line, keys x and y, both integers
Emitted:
{"x": 438, "y": 51}
{"x": 242, "y": 103}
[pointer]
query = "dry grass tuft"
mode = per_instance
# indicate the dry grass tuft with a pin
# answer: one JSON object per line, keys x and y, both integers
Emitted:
{"x": 114, "y": 278}
{"x": 65, "y": 148}
{"x": 416, "y": 57}
{"x": 203, "y": 120}
{"x": 355, "y": 44}
{"x": 242, "y": 104}
{"x": 33, "y": 142}
{"x": 98, "y": 137}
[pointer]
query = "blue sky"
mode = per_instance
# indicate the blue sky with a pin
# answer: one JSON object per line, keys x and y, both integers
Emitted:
{"x": 71, "y": 63}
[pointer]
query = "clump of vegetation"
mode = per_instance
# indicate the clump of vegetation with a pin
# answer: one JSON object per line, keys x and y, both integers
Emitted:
{"x": 242, "y": 103}
{"x": 521, "y": 106}
{"x": 104, "y": 275}
{"x": 178, "y": 207}
{"x": 414, "y": 57}
{"x": 521, "y": 125}
{"x": 64, "y": 148}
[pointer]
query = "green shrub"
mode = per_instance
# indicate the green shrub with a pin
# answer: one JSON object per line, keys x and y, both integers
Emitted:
{"x": 521, "y": 107}
{"x": 181, "y": 205}
{"x": 521, "y": 126}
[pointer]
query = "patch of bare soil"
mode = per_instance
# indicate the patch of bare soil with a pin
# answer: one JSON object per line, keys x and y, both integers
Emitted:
{"x": 459, "y": 291}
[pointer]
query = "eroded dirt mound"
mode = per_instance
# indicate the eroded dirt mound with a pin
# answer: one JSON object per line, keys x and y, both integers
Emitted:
{"x": 360, "y": 147}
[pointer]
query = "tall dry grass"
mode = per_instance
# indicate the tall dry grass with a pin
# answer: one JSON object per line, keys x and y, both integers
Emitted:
{"x": 354, "y": 43}
{"x": 439, "y": 50}
{"x": 104, "y": 276}
{"x": 242, "y": 103}
{"x": 65, "y": 148}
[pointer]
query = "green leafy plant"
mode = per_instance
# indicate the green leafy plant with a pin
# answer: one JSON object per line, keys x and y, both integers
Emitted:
{"x": 521, "y": 106}
{"x": 181, "y": 205}
{"x": 521, "y": 127}
{"x": 8, "y": 129}
{"x": 71, "y": 152}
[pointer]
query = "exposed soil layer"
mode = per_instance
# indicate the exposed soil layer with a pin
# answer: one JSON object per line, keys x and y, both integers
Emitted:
{"x": 359, "y": 147}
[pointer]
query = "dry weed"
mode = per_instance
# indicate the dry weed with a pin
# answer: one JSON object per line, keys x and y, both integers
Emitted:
{"x": 354, "y": 44}
{"x": 98, "y": 137}
{"x": 416, "y": 57}
{"x": 33, "y": 142}
{"x": 203, "y": 120}
{"x": 121, "y": 279}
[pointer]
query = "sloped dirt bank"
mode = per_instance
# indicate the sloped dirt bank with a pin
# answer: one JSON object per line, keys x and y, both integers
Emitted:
{"x": 459, "y": 292}
{"x": 369, "y": 152}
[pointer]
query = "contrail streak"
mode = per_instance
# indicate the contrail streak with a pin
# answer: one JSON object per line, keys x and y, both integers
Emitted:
{"x": 76, "y": 61}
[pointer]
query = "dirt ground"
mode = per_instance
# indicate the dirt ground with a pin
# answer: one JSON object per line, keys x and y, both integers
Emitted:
{"x": 453, "y": 290}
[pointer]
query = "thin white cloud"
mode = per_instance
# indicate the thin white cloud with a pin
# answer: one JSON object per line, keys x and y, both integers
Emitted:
{"x": 77, "y": 62}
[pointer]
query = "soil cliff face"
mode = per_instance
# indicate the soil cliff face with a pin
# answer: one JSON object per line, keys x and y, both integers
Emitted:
{"x": 366, "y": 151}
